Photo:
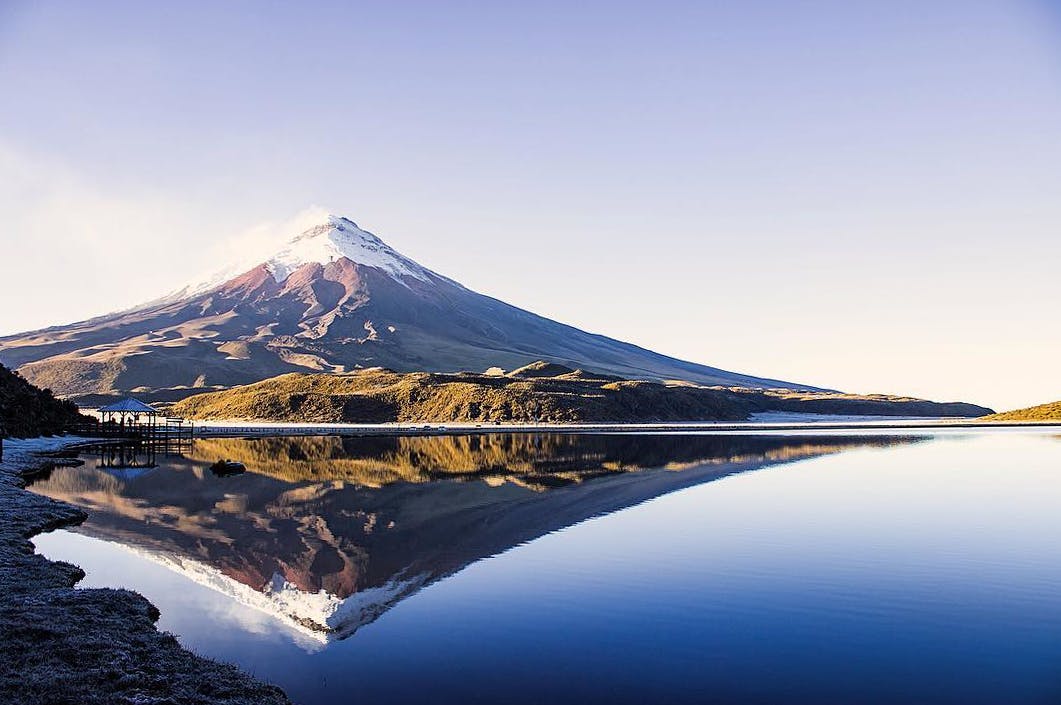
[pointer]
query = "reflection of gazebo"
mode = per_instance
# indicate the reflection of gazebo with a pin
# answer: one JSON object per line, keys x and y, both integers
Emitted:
{"x": 127, "y": 460}
{"x": 129, "y": 412}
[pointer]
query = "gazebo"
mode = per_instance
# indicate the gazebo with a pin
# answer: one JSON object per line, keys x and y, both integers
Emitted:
{"x": 129, "y": 412}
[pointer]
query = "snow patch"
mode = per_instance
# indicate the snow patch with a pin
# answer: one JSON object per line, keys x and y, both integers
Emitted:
{"x": 337, "y": 238}
{"x": 802, "y": 417}
{"x": 18, "y": 448}
{"x": 326, "y": 242}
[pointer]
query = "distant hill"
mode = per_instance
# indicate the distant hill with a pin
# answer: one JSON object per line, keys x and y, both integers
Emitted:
{"x": 1050, "y": 411}
{"x": 27, "y": 411}
{"x": 382, "y": 396}
{"x": 334, "y": 299}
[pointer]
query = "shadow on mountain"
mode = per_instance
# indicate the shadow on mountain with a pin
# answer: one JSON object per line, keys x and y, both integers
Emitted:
{"x": 328, "y": 533}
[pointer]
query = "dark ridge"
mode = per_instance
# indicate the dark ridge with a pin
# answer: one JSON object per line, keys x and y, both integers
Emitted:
{"x": 27, "y": 411}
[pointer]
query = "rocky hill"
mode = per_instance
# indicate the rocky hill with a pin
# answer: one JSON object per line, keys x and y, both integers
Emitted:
{"x": 524, "y": 396}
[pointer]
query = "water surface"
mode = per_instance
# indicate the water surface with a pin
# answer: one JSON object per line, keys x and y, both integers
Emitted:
{"x": 540, "y": 568}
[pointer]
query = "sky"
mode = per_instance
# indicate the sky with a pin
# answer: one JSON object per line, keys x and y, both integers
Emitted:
{"x": 860, "y": 196}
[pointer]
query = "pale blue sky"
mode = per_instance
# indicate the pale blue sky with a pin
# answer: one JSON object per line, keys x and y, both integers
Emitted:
{"x": 857, "y": 195}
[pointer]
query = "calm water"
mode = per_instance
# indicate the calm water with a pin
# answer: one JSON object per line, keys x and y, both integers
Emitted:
{"x": 603, "y": 569}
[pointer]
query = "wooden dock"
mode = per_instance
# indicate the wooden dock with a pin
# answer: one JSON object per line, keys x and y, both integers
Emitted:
{"x": 165, "y": 429}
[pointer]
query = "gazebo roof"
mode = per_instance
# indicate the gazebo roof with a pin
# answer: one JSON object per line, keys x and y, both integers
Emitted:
{"x": 129, "y": 406}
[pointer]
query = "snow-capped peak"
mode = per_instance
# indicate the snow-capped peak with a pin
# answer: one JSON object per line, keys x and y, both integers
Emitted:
{"x": 332, "y": 238}
{"x": 339, "y": 237}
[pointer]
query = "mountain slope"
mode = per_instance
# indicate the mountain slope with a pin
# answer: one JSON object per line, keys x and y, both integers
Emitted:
{"x": 335, "y": 299}
{"x": 1050, "y": 411}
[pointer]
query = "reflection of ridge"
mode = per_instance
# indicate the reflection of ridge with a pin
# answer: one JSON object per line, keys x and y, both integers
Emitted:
{"x": 536, "y": 461}
{"x": 305, "y": 536}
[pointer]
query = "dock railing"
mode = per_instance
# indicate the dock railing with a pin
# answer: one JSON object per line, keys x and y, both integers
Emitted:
{"x": 167, "y": 435}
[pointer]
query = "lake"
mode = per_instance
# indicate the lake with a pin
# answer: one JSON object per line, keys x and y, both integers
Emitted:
{"x": 549, "y": 568}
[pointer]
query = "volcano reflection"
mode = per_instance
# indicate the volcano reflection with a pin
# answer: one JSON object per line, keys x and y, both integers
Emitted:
{"x": 328, "y": 532}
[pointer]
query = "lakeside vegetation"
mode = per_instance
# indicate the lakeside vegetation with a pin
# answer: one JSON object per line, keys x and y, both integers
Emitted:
{"x": 1051, "y": 411}
{"x": 26, "y": 410}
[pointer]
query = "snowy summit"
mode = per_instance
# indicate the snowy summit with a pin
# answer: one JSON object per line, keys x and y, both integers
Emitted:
{"x": 335, "y": 239}
{"x": 332, "y": 239}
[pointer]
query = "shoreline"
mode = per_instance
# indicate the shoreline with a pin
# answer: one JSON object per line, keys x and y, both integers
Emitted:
{"x": 90, "y": 645}
{"x": 259, "y": 429}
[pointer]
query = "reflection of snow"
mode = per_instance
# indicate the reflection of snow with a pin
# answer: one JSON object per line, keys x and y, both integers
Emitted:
{"x": 365, "y": 606}
{"x": 319, "y": 616}
{"x": 257, "y": 622}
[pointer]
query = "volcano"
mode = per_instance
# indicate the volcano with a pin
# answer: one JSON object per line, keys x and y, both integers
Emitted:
{"x": 335, "y": 298}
